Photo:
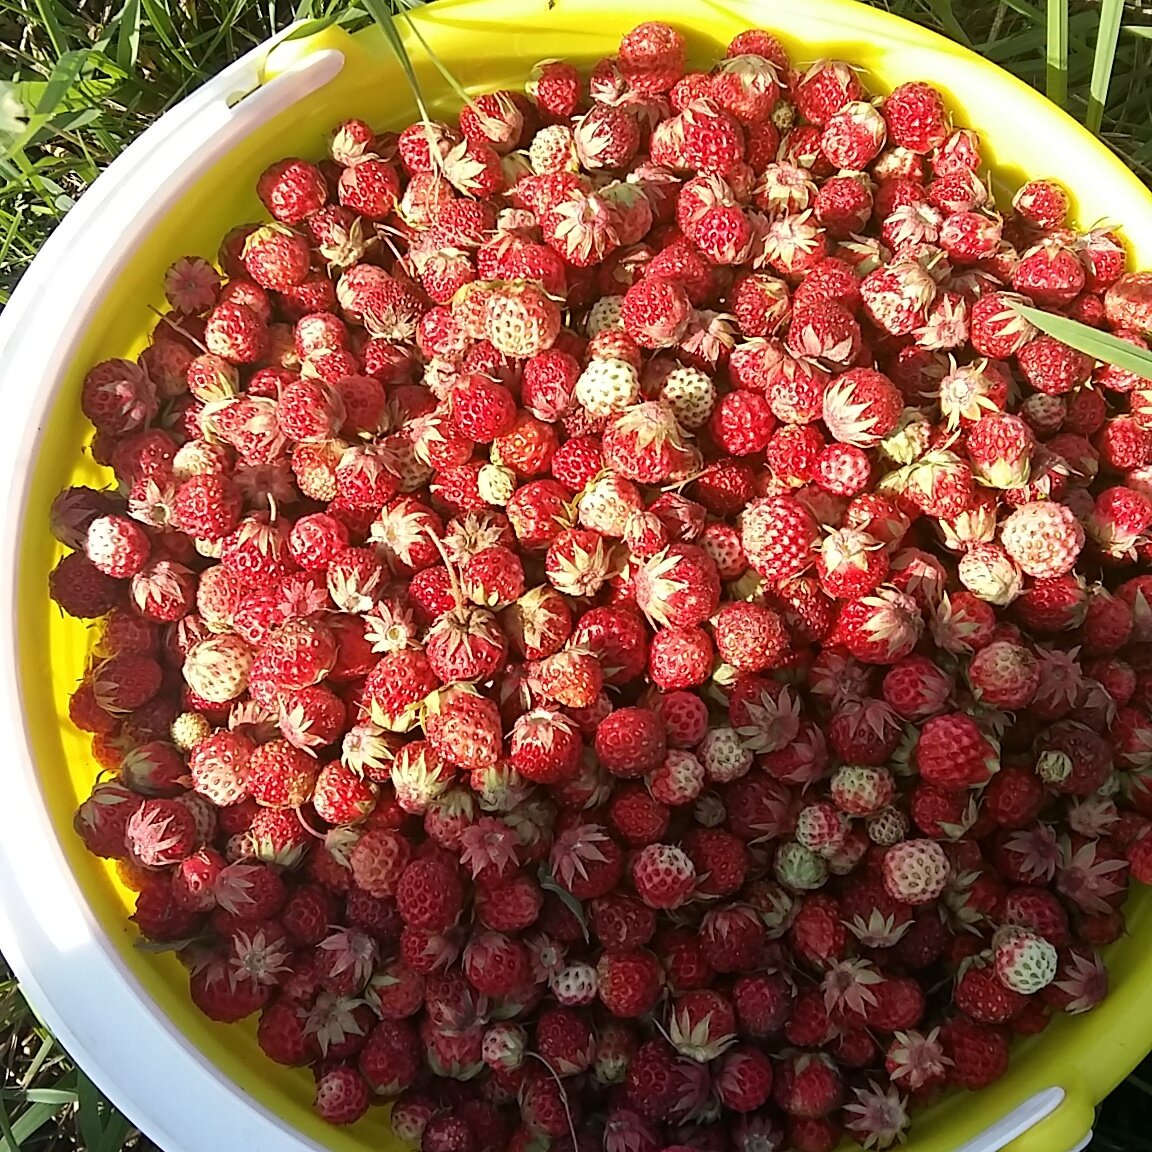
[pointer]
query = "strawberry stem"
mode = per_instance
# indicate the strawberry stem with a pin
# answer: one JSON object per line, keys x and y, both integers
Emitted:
{"x": 563, "y": 1095}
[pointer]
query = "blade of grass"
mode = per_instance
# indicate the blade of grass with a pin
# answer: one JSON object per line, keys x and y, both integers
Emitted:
{"x": 1142, "y": 1084}
{"x": 116, "y": 1132}
{"x": 942, "y": 10}
{"x": 1111, "y": 13}
{"x": 1057, "y": 54}
{"x": 9, "y": 1137}
{"x": 56, "y": 1096}
{"x": 439, "y": 65}
{"x": 379, "y": 12}
{"x": 1091, "y": 341}
{"x": 31, "y": 1120}
{"x": 52, "y": 25}
{"x": 88, "y": 1111}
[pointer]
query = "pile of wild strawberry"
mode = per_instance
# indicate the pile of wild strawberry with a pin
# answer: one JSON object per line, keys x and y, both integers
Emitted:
{"x": 614, "y": 628}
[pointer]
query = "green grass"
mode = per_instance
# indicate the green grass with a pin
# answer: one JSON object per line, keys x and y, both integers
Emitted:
{"x": 89, "y": 75}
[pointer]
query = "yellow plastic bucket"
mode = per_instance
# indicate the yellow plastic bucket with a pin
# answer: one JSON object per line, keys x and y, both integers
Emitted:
{"x": 125, "y": 1014}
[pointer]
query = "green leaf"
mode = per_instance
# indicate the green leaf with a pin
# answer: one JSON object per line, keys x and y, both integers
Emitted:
{"x": 1091, "y": 341}
{"x": 1111, "y": 13}
{"x": 549, "y": 884}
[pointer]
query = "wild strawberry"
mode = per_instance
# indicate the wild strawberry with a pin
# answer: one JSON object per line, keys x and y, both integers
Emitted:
{"x": 235, "y": 333}
{"x": 664, "y": 876}
{"x": 744, "y": 1079}
{"x": 979, "y": 1053}
{"x": 1127, "y": 301}
{"x": 651, "y": 57}
{"x": 160, "y": 832}
{"x": 1119, "y": 517}
{"x": 896, "y": 296}
{"x": 1042, "y": 203}
{"x": 607, "y": 136}
{"x": 1050, "y": 273}
{"x": 824, "y": 89}
{"x": 1052, "y": 367}
{"x": 276, "y": 257}
{"x": 645, "y": 443}
{"x": 291, "y": 190}
{"x": 545, "y": 747}
{"x": 861, "y": 407}
{"x": 984, "y": 998}
{"x": 631, "y": 742}
{"x": 953, "y": 753}
{"x": 917, "y": 688}
{"x": 997, "y": 329}
{"x": 655, "y": 312}
{"x": 1000, "y": 448}
{"x": 1004, "y": 675}
{"x": 778, "y": 535}
{"x": 493, "y": 577}
{"x": 881, "y": 628}
{"x": 680, "y": 658}
{"x": 808, "y": 1085}
{"x": 970, "y": 237}
{"x": 582, "y": 227}
{"x": 549, "y": 379}
{"x": 579, "y": 562}
{"x": 750, "y": 637}
{"x": 117, "y": 546}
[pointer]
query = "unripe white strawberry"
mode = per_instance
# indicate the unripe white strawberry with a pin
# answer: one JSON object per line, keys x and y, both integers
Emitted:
{"x": 915, "y": 871}
{"x": 691, "y": 395}
{"x": 496, "y": 484}
{"x": 188, "y": 729}
{"x": 607, "y": 386}
{"x": 504, "y": 1046}
{"x": 603, "y": 315}
{"x": 861, "y": 790}
{"x": 887, "y": 827}
{"x": 987, "y": 571}
{"x": 1025, "y": 961}
{"x": 679, "y": 780}
{"x": 910, "y": 439}
{"x": 553, "y": 149}
{"x": 799, "y": 868}
{"x": 575, "y": 984}
{"x": 724, "y": 755}
{"x": 822, "y": 828}
{"x": 217, "y": 668}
